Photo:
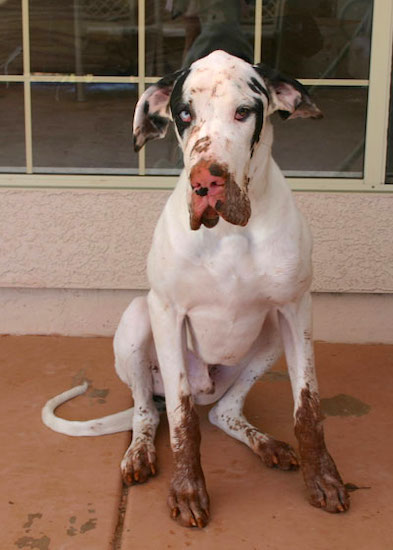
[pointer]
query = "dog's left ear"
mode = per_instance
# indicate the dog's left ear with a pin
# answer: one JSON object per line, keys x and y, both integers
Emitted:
{"x": 152, "y": 113}
{"x": 287, "y": 95}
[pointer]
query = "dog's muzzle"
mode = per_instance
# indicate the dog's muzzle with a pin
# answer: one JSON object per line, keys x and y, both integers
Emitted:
{"x": 215, "y": 194}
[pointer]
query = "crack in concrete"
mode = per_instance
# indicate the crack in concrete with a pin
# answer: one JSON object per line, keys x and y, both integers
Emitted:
{"x": 117, "y": 536}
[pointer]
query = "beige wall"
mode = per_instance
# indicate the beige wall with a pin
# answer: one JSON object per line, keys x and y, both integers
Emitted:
{"x": 71, "y": 259}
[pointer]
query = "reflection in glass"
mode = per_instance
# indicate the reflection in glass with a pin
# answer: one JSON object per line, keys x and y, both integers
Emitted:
{"x": 84, "y": 37}
{"x": 93, "y": 136}
{"x": 333, "y": 146}
{"x": 164, "y": 156}
{"x": 11, "y": 56}
{"x": 12, "y": 135}
{"x": 180, "y": 31}
{"x": 318, "y": 38}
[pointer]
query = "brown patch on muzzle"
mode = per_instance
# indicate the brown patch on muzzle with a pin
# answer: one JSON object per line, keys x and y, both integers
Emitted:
{"x": 214, "y": 194}
{"x": 236, "y": 207}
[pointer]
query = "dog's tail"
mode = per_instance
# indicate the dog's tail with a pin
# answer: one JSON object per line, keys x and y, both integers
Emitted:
{"x": 113, "y": 423}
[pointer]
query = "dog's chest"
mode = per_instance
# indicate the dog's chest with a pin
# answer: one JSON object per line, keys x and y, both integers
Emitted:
{"x": 226, "y": 292}
{"x": 239, "y": 273}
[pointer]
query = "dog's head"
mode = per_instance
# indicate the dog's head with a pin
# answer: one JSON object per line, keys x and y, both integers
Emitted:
{"x": 220, "y": 107}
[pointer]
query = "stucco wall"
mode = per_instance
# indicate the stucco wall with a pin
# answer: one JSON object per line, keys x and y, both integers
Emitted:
{"x": 87, "y": 239}
{"x": 71, "y": 260}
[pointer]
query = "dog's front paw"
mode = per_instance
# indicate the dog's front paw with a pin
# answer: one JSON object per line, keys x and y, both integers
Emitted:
{"x": 324, "y": 484}
{"x": 188, "y": 501}
{"x": 277, "y": 454}
{"x": 139, "y": 463}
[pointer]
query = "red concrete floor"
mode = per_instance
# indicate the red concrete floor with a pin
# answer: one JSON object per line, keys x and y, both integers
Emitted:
{"x": 65, "y": 493}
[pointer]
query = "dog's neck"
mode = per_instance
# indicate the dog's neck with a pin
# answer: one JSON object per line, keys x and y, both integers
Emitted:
{"x": 262, "y": 185}
{"x": 259, "y": 161}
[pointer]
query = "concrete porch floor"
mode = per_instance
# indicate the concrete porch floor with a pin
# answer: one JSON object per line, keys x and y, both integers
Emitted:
{"x": 64, "y": 493}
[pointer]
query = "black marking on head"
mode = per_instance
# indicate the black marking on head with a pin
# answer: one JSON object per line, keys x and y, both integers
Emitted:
{"x": 177, "y": 103}
{"x": 259, "y": 86}
{"x": 258, "y": 110}
{"x": 146, "y": 107}
{"x": 253, "y": 88}
{"x": 216, "y": 170}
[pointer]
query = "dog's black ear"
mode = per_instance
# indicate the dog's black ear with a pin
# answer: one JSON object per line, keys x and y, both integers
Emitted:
{"x": 287, "y": 95}
{"x": 152, "y": 113}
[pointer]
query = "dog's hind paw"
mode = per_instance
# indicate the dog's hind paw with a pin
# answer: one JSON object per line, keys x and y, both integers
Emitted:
{"x": 139, "y": 463}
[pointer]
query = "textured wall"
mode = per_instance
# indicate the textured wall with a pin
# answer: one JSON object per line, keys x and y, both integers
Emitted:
{"x": 87, "y": 239}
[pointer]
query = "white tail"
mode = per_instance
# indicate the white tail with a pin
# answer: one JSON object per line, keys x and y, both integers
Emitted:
{"x": 113, "y": 423}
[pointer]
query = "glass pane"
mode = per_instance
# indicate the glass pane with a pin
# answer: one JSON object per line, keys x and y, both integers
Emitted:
{"x": 90, "y": 136}
{"x": 317, "y": 38}
{"x": 84, "y": 37}
{"x": 163, "y": 156}
{"x": 12, "y": 135}
{"x": 11, "y": 56}
{"x": 331, "y": 147}
{"x": 389, "y": 160}
{"x": 181, "y": 31}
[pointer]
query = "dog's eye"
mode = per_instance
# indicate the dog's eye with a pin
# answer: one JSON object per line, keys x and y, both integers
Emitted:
{"x": 185, "y": 116}
{"x": 242, "y": 113}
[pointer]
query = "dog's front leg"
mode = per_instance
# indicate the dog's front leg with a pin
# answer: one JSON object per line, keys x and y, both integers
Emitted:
{"x": 324, "y": 484}
{"x": 188, "y": 500}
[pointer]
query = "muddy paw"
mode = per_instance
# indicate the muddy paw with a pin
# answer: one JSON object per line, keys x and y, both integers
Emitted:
{"x": 325, "y": 487}
{"x": 329, "y": 494}
{"x": 188, "y": 502}
{"x": 139, "y": 463}
{"x": 277, "y": 454}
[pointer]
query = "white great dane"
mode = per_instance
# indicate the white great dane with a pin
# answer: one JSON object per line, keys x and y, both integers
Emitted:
{"x": 230, "y": 274}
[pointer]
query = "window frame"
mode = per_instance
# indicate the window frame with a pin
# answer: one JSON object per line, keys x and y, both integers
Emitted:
{"x": 376, "y": 134}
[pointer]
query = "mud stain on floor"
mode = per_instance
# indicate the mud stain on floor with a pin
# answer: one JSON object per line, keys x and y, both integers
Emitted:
{"x": 30, "y": 542}
{"x": 275, "y": 376}
{"x": 97, "y": 393}
{"x": 71, "y": 531}
{"x": 344, "y": 405}
{"x": 74, "y": 530}
{"x": 30, "y": 519}
{"x": 92, "y": 392}
{"x": 88, "y": 525}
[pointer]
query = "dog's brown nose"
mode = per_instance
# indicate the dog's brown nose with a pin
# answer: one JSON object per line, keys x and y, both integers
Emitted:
{"x": 205, "y": 176}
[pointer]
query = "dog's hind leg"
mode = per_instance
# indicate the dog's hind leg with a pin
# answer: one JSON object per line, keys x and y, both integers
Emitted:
{"x": 134, "y": 358}
{"x": 228, "y": 412}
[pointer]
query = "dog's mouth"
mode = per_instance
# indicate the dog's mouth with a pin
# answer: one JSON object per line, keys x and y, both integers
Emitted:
{"x": 209, "y": 218}
{"x": 227, "y": 201}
